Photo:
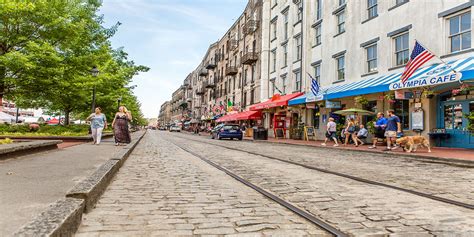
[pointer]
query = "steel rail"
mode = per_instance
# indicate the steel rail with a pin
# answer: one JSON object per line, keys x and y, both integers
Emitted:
{"x": 311, "y": 218}
{"x": 363, "y": 180}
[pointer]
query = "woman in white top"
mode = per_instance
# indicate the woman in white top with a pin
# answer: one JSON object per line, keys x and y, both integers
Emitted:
{"x": 331, "y": 130}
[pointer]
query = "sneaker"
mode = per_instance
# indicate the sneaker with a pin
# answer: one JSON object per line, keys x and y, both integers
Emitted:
{"x": 387, "y": 149}
{"x": 323, "y": 144}
{"x": 336, "y": 145}
{"x": 395, "y": 147}
{"x": 372, "y": 147}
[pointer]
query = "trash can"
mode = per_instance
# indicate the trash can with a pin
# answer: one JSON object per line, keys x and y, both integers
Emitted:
{"x": 260, "y": 134}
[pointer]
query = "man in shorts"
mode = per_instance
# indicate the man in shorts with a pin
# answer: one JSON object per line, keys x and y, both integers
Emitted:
{"x": 379, "y": 126}
{"x": 393, "y": 128}
{"x": 331, "y": 130}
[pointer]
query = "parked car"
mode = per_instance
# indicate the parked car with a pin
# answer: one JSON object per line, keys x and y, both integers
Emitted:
{"x": 175, "y": 129}
{"x": 215, "y": 130}
{"x": 227, "y": 131}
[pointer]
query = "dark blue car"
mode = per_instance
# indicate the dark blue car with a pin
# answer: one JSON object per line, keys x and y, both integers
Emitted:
{"x": 227, "y": 131}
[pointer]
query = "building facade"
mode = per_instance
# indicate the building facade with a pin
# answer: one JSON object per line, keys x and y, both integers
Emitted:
{"x": 164, "y": 118}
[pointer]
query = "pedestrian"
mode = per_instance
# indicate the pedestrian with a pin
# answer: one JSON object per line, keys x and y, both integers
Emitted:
{"x": 361, "y": 135}
{"x": 379, "y": 127}
{"x": 120, "y": 125}
{"x": 331, "y": 130}
{"x": 98, "y": 124}
{"x": 349, "y": 131}
{"x": 393, "y": 127}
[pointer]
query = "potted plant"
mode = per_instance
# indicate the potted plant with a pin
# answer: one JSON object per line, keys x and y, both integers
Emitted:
{"x": 470, "y": 122}
{"x": 465, "y": 89}
{"x": 429, "y": 94}
{"x": 361, "y": 100}
{"x": 390, "y": 97}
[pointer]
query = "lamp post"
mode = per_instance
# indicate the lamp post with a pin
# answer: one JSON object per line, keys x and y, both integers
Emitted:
{"x": 119, "y": 100}
{"x": 94, "y": 73}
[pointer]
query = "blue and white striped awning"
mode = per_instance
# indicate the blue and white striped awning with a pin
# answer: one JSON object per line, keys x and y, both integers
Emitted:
{"x": 382, "y": 83}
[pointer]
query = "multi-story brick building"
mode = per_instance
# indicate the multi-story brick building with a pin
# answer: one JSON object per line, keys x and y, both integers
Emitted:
{"x": 164, "y": 118}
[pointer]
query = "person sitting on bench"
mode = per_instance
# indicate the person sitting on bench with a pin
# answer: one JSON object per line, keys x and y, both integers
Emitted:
{"x": 361, "y": 135}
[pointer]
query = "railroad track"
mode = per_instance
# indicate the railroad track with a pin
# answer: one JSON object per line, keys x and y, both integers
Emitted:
{"x": 300, "y": 212}
{"x": 359, "y": 179}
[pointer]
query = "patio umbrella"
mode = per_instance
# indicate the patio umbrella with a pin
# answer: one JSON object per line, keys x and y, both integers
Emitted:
{"x": 352, "y": 111}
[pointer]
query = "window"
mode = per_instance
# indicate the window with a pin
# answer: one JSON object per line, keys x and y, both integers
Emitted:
{"x": 341, "y": 2}
{"x": 401, "y": 49}
{"x": 252, "y": 79}
{"x": 317, "y": 72}
{"x": 272, "y": 81}
{"x": 252, "y": 96}
{"x": 372, "y": 58}
{"x": 285, "y": 55}
{"x": 340, "y": 68}
{"x": 283, "y": 84}
{"x": 341, "y": 20}
{"x": 245, "y": 77}
{"x": 402, "y": 111}
{"x": 318, "y": 9}
{"x": 460, "y": 32}
{"x": 274, "y": 30}
{"x": 299, "y": 12}
{"x": 274, "y": 61}
{"x": 298, "y": 80}
{"x": 298, "y": 47}
{"x": 372, "y": 8}
{"x": 285, "y": 25}
{"x": 317, "y": 35}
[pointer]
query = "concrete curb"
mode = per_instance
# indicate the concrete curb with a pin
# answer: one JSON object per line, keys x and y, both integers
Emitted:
{"x": 62, "y": 138}
{"x": 469, "y": 163}
{"x": 17, "y": 149}
{"x": 62, "y": 218}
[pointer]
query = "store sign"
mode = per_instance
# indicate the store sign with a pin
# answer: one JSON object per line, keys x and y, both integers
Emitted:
{"x": 333, "y": 104}
{"x": 426, "y": 81}
{"x": 417, "y": 120}
{"x": 310, "y": 97}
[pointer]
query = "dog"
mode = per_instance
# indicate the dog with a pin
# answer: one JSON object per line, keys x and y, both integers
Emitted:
{"x": 411, "y": 143}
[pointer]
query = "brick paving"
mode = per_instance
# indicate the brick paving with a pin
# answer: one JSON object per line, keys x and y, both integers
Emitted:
{"x": 354, "y": 207}
{"x": 163, "y": 191}
{"x": 447, "y": 181}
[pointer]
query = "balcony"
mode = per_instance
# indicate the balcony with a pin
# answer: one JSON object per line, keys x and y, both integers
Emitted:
{"x": 231, "y": 70}
{"x": 233, "y": 44}
{"x": 249, "y": 58}
{"x": 250, "y": 27}
{"x": 210, "y": 85}
{"x": 203, "y": 72}
{"x": 200, "y": 91}
{"x": 211, "y": 65}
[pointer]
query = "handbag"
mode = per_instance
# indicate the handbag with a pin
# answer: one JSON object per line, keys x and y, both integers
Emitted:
{"x": 351, "y": 129}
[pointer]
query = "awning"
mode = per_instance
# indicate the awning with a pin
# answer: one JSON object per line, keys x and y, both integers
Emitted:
{"x": 276, "y": 101}
{"x": 226, "y": 118}
{"x": 248, "y": 115}
{"x": 427, "y": 76}
{"x": 298, "y": 100}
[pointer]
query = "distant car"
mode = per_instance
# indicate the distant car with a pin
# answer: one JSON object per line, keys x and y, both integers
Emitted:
{"x": 175, "y": 129}
{"x": 215, "y": 130}
{"x": 162, "y": 128}
{"x": 230, "y": 131}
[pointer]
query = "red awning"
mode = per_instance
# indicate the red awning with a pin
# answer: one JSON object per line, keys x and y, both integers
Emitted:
{"x": 276, "y": 101}
{"x": 249, "y": 115}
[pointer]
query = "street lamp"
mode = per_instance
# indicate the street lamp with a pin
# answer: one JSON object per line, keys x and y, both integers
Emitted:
{"x": 95, "y": 73}
{"x": 119, "y": 100}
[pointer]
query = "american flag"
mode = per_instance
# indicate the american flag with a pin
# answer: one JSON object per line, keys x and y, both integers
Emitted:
{"x": 314, "y": 85}
{"x": 418, "y": 57}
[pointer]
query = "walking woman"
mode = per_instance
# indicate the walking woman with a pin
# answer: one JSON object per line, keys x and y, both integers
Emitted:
{"x": 350, "y": 131}
{"x": 120, "y": 125}
{"x": 98, "y": 124}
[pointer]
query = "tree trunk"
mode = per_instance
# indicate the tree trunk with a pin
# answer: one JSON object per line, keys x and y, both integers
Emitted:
{"x": 66, "y": 117}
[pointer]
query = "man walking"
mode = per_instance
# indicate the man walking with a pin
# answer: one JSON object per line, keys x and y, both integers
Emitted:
{"x": 331, "y": 130}
{"x": 379, "y": 126}
{"x": 393, "y": 127}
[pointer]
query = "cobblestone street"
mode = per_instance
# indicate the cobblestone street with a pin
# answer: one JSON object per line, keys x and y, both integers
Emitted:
{"x": 164, "y": 190}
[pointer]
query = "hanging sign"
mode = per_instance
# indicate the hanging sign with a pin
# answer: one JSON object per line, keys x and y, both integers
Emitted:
{"x": 333, "y": 104}
{"x": 426, "y": 81}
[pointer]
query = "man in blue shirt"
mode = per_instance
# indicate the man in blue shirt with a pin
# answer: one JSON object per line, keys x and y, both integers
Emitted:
{"x": 393, "y": 127}
{"x": 380, "y": 125}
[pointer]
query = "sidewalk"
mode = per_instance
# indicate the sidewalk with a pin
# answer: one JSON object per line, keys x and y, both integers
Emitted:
{"x": 437, "y": 152}
{"x": 28, "y": 184}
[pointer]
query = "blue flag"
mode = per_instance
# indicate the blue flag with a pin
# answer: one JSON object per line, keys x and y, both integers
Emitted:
{"x": 314, "y": 85}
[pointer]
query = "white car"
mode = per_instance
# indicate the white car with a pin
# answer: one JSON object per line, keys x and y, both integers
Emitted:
{"x": 175, "y": 129}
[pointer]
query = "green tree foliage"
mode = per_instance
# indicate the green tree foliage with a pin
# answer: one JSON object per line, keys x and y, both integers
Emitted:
{"x": 47, "y": 49}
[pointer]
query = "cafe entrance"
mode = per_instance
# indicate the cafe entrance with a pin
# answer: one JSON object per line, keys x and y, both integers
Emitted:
{"x": 452, "y": 118}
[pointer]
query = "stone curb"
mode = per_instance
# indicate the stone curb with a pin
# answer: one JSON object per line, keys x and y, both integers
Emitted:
{"x": 26, "y": 147}
{"x": 123, "y": 154}
{"x": 62, "y": 138}
{"x": 398, "y": 155}
{"x": 93, "y": 186}
{"x": 62, "y": 218}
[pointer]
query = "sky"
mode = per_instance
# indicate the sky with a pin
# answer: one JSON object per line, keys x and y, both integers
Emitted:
{"x": 169, "y": 36}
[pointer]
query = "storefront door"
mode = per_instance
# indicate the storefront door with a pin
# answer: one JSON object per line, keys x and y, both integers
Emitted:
{"x": 455, "y": 123}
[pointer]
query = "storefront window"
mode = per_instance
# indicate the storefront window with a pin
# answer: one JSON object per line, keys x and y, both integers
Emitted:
{"x": 371, "y": 106}
{"x": 453, "y": 116}
{"x": 317, "y": 115}
{"x": 402, "y": 111}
